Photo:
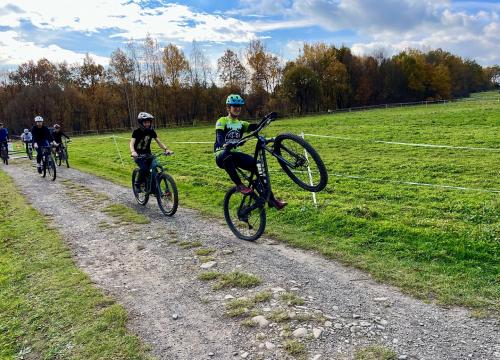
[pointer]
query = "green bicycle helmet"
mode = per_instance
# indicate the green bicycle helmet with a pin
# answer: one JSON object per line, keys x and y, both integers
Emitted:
{"x": 235, "y": 99}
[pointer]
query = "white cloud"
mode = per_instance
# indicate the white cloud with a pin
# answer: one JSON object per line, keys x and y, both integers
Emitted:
{"x": 469, "y": 29}
{"x": 167, "y": 22}
{"x": 14, "y": 51}
{"x": 475, "y": 36}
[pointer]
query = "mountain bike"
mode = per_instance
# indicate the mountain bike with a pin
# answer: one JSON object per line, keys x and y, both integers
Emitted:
{"x": 29, "y": 150}
{"x": 4, "y": 152}
{"x": 246, "y": 214}
{"x": 48, "y": 164}
{"x": 157, "y": 182}
{"x": 61, "y": 154}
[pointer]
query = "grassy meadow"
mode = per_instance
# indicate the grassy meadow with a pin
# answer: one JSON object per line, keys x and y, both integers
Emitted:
{"x": 49, "y": 309}
{"x": 426, "y": 219}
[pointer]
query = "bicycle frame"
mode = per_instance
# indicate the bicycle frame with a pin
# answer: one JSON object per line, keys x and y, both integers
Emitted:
{"x": 154, "y": 169}
{"x": 46, "y": 153}
{"x": 261, "y": 147}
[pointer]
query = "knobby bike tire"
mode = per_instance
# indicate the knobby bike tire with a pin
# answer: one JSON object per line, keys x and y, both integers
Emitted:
{"x": 313, "y": 158}
{"x": 163, "y": 198}
{"x": 66, "y": 157}
{"x": 51, "y": 167}
{"x": 142, "y": 197}
{"x": 44, "y": 168}
{"x": 230, "y": 212}
{"x": 5, "y": 157}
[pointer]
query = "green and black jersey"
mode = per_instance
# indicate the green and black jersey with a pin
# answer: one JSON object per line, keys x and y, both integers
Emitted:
{"x": 229, "y": 131}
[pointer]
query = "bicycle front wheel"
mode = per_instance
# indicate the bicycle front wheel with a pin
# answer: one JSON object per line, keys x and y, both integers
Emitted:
{"x": 244, "y": 216}
{"x": 51, "y": 167}
{"x": 166, "y": 194}
{"x": 44, "y": 168}
{"x": 65, "y": 152}
{"x": 5, "y": 157}
{"x": 301, "y": 162}
{"x": 58, "y": 157}
{"x": 140, "y": 193}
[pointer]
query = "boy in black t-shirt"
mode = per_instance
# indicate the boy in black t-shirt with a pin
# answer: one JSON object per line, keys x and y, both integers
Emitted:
{"x": 140, "y": 144}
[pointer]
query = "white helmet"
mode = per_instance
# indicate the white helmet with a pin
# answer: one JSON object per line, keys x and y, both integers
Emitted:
{"x": 26, "y": 131}
{"x": 38, "y": 118}
{"x": 144, "y": 116}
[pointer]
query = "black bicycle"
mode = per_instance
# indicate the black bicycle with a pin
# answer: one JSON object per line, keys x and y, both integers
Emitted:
{"x": 48, "y": 163}
{"x": 158, "y": 182}
{"x": 61, "y": 153}
{"x": 29, "y": 150}
{"x": 4, "y": 152}
{"x": 246, "y": 214}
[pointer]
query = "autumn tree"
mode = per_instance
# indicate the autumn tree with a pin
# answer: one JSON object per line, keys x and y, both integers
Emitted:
{"x": 232, "y": 72}
{"x": 122, "y": 68}
{"x": 175, "y": 64}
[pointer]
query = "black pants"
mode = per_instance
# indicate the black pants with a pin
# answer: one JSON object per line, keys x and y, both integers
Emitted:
{"x": 39, "y": 150}
{"x": 144, "y": 166}
{"x": 229, "y": 161}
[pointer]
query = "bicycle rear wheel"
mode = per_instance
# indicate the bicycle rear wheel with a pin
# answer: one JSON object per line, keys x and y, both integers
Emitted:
{"x": 166, "y": 194}
{"x": 58, "y": 158}
{"x": 301, "y": 162}
{"x": 140, "y": 194}
{"x": 244, "y": 215}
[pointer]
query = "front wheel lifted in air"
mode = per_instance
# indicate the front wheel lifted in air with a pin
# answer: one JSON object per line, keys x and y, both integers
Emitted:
{"x": 301, "y": 162}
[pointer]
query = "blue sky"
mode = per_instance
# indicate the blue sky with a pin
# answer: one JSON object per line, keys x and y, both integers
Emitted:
{"x": 65, "y": 31}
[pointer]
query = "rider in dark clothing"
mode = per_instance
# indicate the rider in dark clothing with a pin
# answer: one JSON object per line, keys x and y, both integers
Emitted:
{"x": 228, "y": 132}
{"x": 41, "y": 138}
{"x": 57, "y": 136}
{"x": 140, "y": 144}
{"x": 4, "y": 137}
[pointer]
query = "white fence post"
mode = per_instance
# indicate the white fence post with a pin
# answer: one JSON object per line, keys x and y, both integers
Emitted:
{"x": 118, "y": 150}
{"x": 310, "y": 174}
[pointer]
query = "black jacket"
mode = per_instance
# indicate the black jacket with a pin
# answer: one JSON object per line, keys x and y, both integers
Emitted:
{"x": 40, "y": 135}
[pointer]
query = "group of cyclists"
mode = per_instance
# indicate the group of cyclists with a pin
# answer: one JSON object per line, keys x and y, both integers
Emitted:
{"x": 228, "y": 156}
{"x": 39, "y": 137}
{"x": 229, "y": 130}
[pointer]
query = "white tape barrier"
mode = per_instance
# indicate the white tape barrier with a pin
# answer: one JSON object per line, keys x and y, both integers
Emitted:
{"x": 406, "y": 144}
{"x": 171, "y": 142}
{"x": 416, "y": 183}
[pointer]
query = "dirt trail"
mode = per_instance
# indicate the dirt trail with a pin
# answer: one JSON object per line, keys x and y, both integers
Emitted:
{"x": 147, "y": 270}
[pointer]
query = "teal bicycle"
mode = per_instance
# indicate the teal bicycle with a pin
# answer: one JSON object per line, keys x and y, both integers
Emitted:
{"x": 157, "y": 182}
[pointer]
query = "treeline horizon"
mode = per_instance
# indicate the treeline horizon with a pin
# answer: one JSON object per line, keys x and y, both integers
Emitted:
{"x": 181, "y": 90}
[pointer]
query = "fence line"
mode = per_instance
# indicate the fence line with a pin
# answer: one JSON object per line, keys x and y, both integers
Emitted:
{"x": 326, "y": 112}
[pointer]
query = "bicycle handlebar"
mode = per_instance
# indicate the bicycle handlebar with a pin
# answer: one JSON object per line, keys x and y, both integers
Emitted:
{"x": 145, "y": 156}
{"x": 266, "y": 120}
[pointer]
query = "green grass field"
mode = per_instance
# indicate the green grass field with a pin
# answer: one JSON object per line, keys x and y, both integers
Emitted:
{"x": 436, "y": 243}
{"x": 49, "y": 309}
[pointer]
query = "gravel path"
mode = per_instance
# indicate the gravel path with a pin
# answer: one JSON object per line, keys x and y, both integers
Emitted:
{"x": 151, "y": 270}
